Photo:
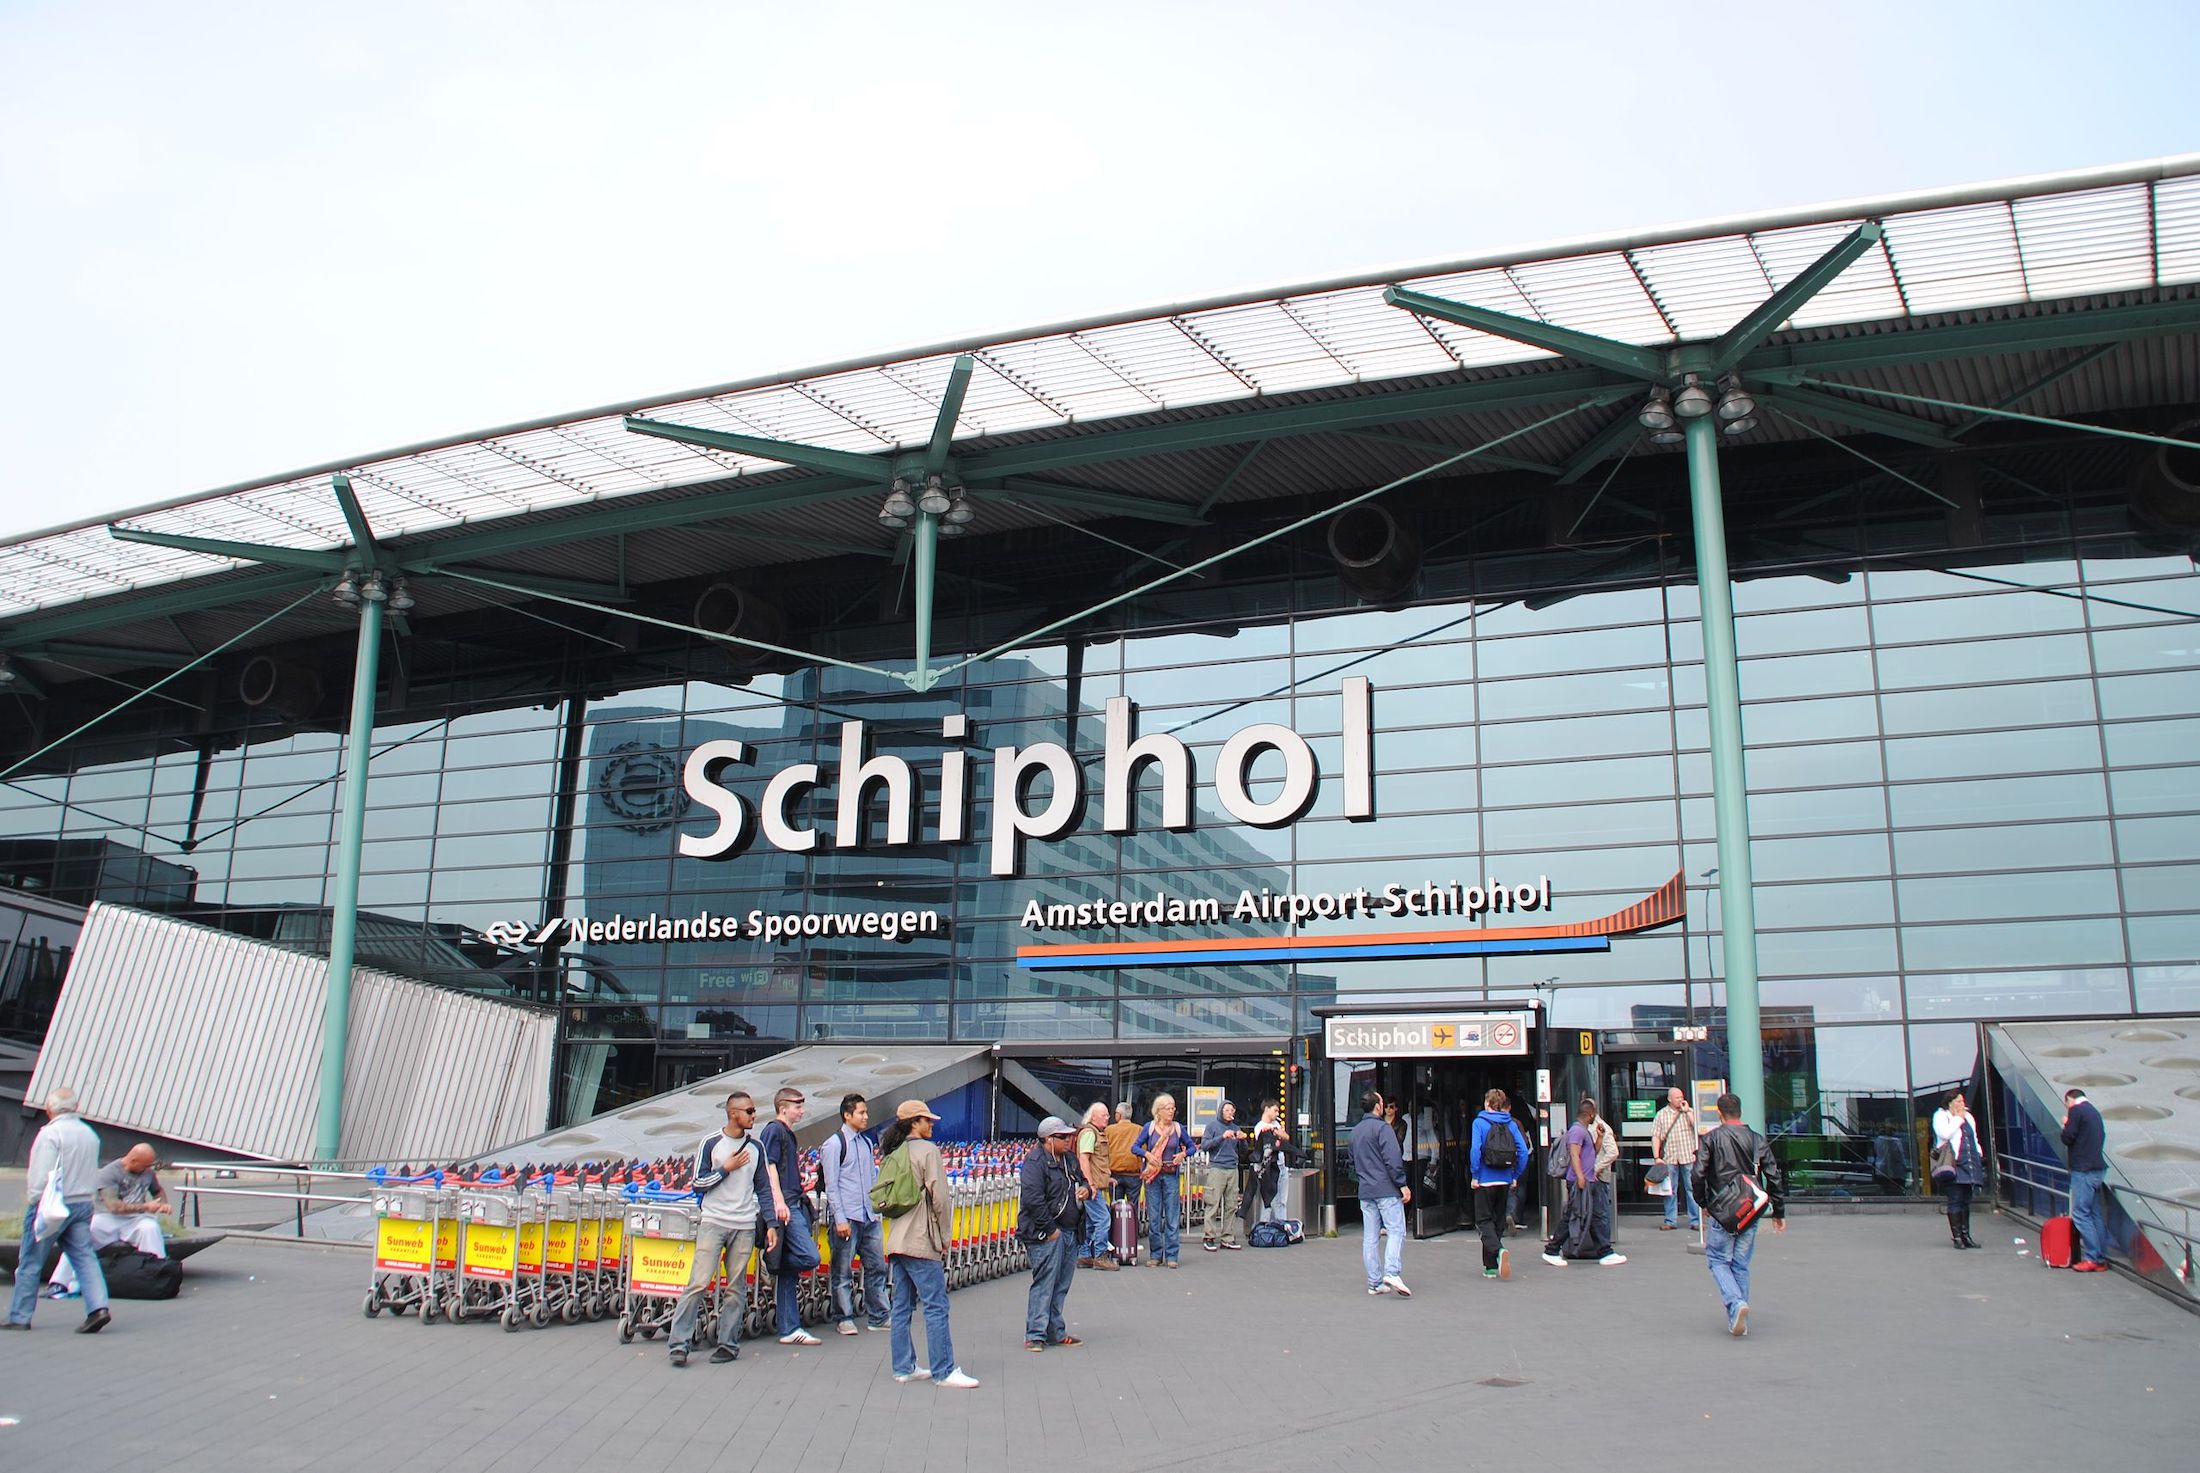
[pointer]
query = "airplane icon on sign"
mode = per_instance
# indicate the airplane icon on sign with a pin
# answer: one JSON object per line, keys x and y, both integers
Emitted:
{"x": 1440, "y": 1036}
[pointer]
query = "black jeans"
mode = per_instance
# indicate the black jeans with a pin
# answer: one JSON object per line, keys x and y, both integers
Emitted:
{"x": 1489, "y": 1219}
{"x": 1959, "y": 1199}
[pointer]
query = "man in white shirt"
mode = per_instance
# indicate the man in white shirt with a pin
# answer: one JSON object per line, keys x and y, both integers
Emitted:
{"x": 67, "y": 1152}
{"x": 725, "y": 1173}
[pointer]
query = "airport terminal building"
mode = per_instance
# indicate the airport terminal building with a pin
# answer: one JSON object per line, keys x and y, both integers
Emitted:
{"x": 1156, "y": 700}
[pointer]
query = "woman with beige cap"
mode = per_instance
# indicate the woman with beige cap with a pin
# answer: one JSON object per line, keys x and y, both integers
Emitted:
{"x": 916, "y": 1249}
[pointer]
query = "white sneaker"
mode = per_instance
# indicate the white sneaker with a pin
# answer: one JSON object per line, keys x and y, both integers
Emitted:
{"x": 1378, "y": 1288}
{"x": 1741, "y": 1319}
{"x": 1613, "y": 1260}
{"x": 800, "y": 1337}
{"x": 1554, "y": 1260}
{"x": 958, "y": 1378}
{"x": 919, "y": 1374}
{"x": 1397, "y": 1286}
{"x": 848, "y": 1327}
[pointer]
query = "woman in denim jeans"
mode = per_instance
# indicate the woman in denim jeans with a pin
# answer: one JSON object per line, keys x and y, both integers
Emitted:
{"x": 1162, "y": 1145}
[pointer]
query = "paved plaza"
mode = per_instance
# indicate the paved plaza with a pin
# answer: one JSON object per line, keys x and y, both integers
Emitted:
{"x": 1871, "y": 1340}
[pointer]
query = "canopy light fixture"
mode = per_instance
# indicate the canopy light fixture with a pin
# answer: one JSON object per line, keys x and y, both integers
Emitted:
{"x": 934, "y": 500}
{"x": 374, "y": 590}
{"x": 898, "y": 508}
{"x": 1670, "y": 435}
{"x": 1740, "y": 426}
{"x": 7, "y": 671}
{"x": 1693, "y": 401}
{"x": 1734, "y": 400}
{"x": 959, "y": 513}
{"x": 401, "y": 597}
{"x": 1657, "y": 411}
{"x": 950, "y": 529}
{"x": 346, "y": 591}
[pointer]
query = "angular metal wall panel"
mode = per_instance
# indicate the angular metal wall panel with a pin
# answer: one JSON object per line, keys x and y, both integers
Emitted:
{"x": 182, "y": 1031}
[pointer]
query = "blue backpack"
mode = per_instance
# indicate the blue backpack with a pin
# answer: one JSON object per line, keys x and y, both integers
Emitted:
{"x": 1274, "y": 1234}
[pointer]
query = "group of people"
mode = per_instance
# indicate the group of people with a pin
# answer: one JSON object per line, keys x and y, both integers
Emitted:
{"x": 890, "y": 1211}
{"x": 750, "y": 1177}
{"x": 120, "y": 1202}
{"x": 1727, "y": 1177}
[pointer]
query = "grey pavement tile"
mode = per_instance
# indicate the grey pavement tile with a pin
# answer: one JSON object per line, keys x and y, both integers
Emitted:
{"x": 1866, "y": 1328}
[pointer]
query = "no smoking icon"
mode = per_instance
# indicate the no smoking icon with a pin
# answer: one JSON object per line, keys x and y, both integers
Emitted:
{"x": 1505, "y": 1035}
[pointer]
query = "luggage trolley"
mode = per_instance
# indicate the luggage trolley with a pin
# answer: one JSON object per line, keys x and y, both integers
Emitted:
{"x": 594, "y": 1278}
{"x": 415, "y": 1245}
{"x": 489, "y": 1286}
{"x": 562, "y": 1293}
{"x": 660, "y": 1254}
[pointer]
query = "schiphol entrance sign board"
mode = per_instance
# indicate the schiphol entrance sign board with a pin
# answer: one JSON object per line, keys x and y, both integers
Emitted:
{"x": 1013, "y": 819}
{"x": 1424, "y": 1035}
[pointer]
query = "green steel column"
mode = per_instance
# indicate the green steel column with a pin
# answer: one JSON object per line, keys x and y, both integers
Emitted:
{"x": 1729, "y": 779}
{"x": 344, "y": 905}
{"x": 927, "y": 537}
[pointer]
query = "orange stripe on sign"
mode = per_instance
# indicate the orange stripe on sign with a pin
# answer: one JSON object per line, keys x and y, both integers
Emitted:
{"x": 1661, "y": 907}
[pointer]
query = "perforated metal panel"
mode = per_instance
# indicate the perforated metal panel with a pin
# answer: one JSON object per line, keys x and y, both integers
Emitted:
{"x": 182, "y": 1031}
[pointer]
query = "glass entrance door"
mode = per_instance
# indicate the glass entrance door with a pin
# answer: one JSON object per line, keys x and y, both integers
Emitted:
{"x": 1635, "y": 1082}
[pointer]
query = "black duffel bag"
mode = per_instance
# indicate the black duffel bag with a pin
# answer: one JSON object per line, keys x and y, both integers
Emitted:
{"x": 132, "y": 1274}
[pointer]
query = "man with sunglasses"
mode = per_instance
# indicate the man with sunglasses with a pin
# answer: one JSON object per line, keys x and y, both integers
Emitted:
{"x": 725, "y": 1173}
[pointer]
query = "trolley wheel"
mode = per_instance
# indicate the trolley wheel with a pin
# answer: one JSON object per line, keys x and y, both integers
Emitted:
{"x": 430, "y": 1310}
{"x": 540, "y": 1315}
{"x": 649, "y": 1332}
{"x": 626, "y": 1329}
{"x": 373, "y": 1305}
{"x": 509, "y": 1319}
{"x": 595, "y": 1307}
{"x": 571, "y": 1313}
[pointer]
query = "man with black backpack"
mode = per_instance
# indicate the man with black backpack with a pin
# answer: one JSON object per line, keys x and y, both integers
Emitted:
{"x": 1737, "y": 1183}
{"x": 1496, "y": 1156}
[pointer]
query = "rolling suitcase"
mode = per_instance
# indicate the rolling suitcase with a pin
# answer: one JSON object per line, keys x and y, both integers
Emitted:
{"x": 1123, "y": 1232}
{"x": 2058, "y": 1237}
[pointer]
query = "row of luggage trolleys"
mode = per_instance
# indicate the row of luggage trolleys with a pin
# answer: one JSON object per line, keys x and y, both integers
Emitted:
{"x": 528, "y": 1256}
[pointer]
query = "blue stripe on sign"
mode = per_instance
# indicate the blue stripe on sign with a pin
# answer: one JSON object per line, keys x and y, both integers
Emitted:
{"x": 1341, "y": 951}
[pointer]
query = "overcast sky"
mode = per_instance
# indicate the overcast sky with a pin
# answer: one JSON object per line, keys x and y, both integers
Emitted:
{"x": 237, "y": 239}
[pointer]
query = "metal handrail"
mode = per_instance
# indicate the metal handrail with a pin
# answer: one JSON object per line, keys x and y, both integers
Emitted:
{"x": 2011, "y": 1168}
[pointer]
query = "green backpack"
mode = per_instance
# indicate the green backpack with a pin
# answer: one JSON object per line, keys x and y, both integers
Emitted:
{"x": 897, "y": 1188}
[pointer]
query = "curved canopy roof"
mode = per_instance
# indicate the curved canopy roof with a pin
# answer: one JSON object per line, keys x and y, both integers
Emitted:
{"x": 1148, "y": 415}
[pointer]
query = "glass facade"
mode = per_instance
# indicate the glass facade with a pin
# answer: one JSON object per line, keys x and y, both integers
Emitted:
{"x": 1975, "y": 793}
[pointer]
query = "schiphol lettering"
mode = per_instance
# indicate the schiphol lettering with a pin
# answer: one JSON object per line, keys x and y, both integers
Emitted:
{"x": 858, "y": 774}
{"x": 1490, "y": 896}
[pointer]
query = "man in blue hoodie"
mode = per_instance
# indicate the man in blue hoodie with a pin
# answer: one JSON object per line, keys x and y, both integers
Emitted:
{"x": 1381, "y": 1169}
{"x": 1496, "y": 1156}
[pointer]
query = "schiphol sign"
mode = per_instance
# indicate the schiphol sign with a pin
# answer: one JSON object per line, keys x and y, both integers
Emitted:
{"x": 857, "y": 773}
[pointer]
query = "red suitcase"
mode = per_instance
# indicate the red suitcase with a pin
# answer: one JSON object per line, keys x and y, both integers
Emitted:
{"x": 2058, "y": 1237}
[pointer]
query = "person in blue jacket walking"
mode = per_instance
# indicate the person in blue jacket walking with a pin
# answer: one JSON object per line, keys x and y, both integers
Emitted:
{"x": 1496, "y": 1155}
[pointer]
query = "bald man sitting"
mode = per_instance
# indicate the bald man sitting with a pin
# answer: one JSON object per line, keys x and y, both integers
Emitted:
{"x": 130, "y": 1203}
{"x": 125, "y": 1209}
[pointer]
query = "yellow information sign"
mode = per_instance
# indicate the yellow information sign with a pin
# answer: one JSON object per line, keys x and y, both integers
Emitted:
{"x": 557, "y": 1247}
{"x": 446, "y": 1244}
{"x": 591, "y": 1232}
{"x": 661, "y": 1265}
{"x": 613, "y": 1242}
{"x": 491, "y": 1251}
{"x": 530, "y": 1248}
{"x": 401, "y": 1245}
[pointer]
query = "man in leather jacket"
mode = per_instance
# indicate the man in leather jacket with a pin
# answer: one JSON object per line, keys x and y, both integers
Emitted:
{"x": 1728, "y": 1159}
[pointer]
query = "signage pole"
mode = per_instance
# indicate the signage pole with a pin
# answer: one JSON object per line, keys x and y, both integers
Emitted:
{"x": 344, "y": 904}
{"x": 1729, "y": 779}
